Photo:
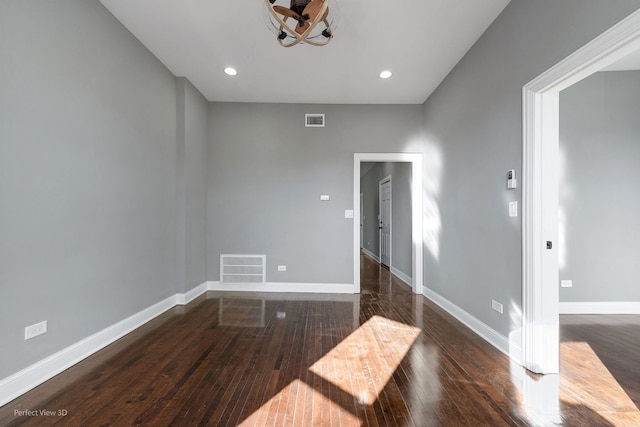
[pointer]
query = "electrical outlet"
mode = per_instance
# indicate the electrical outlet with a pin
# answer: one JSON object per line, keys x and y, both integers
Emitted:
{"x": 35, "y": 330}
{"x": 496, "y": 306}
{"x": 566, "y": 283}
{"x": 282, "y": 268}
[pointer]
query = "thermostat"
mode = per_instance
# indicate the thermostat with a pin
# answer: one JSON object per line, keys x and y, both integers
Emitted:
{"x": 512, "y": 182}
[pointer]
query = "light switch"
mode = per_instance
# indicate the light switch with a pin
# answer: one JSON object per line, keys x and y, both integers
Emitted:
{"x": 324, "y": 197}
{"x": 348, "y": 213}
{"x": 513, "y": 208}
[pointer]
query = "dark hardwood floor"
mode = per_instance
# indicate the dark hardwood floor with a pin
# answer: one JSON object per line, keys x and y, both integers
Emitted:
{"x": 385, "y": 357}
{"x": 600, "y": 367}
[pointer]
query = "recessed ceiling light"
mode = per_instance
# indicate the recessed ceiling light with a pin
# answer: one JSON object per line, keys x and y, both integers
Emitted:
{"x": 230, "y": 71}
{"x": 385, "y": 74}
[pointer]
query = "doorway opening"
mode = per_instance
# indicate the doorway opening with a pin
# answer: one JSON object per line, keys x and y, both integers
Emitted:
{"x": 540, "y": 328}
{"x": 415, "y": 159}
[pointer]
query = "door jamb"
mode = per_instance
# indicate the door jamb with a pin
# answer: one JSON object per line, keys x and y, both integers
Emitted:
{"x": 361, "y": 221}
{"x": 540, "y": 305}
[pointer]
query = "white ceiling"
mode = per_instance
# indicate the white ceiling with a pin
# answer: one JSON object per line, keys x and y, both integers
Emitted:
{"x": 420, "y": 41}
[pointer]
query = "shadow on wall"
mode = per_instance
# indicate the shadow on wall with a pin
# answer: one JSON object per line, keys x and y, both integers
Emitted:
{"x": 566, "y": 200}
{"x": 432, "y": 221}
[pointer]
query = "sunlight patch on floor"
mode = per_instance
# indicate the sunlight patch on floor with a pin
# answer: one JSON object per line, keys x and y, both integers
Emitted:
{"x": 586, "y": 381}
{"x": 631, "y": 419}
{"x": 299, "y": 404}
{"x": 345, "y": 381}
{"x": 363, "y": 363}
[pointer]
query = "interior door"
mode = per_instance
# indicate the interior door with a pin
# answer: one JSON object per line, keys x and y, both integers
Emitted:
{"x": 385, "y": 221}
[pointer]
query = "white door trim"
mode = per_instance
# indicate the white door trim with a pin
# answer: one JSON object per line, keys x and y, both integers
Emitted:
{"x": 380, "y": 183}
{"x": 540, "y": 305}
{"x": 361, "y": 222}
{"x": 416, "y": 212}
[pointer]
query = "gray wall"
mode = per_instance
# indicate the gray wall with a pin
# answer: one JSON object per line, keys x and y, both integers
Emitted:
{"x": 400, "y": 173}
{"x": 599, "y": 196}
{"x": 473, "y": 125}
{"x": 87, "y": 176}
{"x": 267, "y": 172}
{"x": 192, "y": 141}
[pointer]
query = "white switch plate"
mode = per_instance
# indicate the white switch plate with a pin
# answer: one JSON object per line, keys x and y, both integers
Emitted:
{"x": 496, "y": 306}
{"x": 566, "y": 283}
{"x": 348, "y": 213}
{"x": 35, "y": 330}
{"x": 513, "y": 208}
{"x": 324, "y": 197}
{"x": 282, "y": 268}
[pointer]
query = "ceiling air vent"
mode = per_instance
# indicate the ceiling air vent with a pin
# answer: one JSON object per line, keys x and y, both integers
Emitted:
{"x": 314, "y": 120}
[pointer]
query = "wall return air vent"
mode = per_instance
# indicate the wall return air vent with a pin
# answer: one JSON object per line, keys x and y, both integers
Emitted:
{"x": 314, "y": 120}
{"x": 242, "y": 269}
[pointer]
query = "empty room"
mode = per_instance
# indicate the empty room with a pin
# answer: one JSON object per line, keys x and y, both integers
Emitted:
{"x": 319, "y": 212}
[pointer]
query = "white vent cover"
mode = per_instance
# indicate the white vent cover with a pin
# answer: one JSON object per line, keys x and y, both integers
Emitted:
{"x": 314, "y": 120}
{"x": 242, "y": 269}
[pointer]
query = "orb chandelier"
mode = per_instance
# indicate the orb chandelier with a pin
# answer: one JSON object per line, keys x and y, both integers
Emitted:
{"x": 304, "y": 21}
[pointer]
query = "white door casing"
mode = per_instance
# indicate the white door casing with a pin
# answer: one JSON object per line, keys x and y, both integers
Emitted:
{"x": 361, "y": 221}
{"x": 416, "y": 212}
{"x": 540, "y": 326}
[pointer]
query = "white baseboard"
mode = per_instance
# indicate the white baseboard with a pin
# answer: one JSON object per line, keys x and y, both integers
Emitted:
{"x": 599, "y": 308}
{"x": 34, "y": 375}
{"x": 324, "y": 288}
{"x": 490, "y": 335}
{"x": 187, "y": 297}
{"x": 400, "y": 275}
{"x": 371, "y": 255}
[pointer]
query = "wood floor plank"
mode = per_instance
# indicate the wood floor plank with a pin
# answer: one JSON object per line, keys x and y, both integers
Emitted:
{"x": 256, "y": 359}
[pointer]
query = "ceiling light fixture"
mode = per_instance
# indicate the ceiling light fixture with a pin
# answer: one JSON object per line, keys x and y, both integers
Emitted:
{"x": 310, "y": 21}
{"x": 230, "y": 71}
{"x": 386, "y": 74}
